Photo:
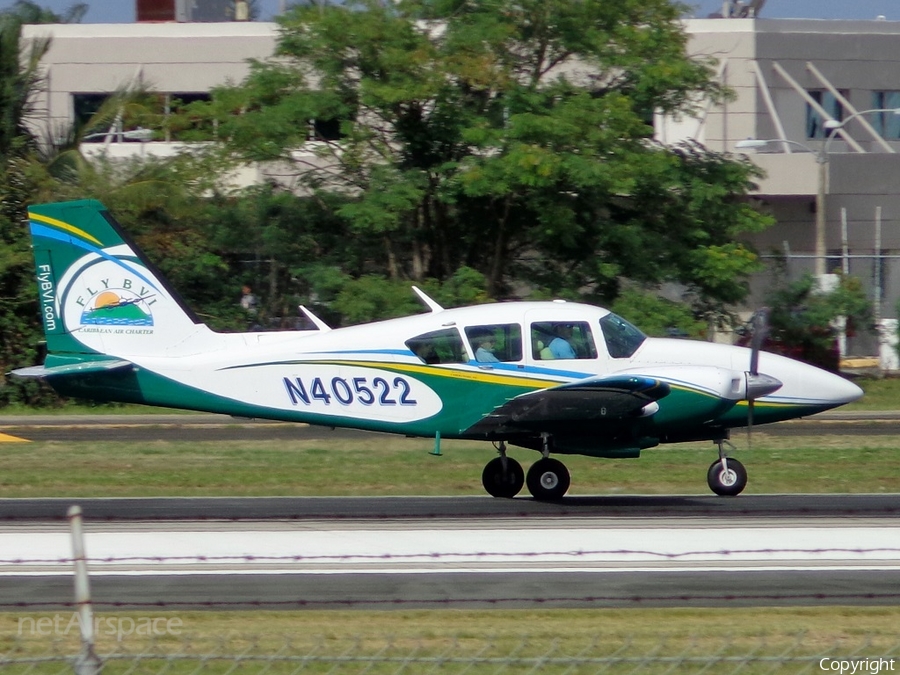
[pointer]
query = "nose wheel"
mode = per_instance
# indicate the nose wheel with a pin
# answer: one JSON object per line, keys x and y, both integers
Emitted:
{"x": 727, "y": 477}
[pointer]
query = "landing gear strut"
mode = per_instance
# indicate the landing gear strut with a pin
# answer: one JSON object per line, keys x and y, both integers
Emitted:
{"x": 503, "y": 476}
{"x": 726, "y": 477}
{"x": 547, "y": 479}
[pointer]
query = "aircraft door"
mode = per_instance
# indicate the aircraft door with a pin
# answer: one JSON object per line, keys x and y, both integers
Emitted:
{"x": 554, "y": 338}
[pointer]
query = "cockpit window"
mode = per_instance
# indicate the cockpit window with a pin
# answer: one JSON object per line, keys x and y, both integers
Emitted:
{"x": 562, "y": 340}
{"x": 622, "y": 339}
{"x": 440, "y": 346}
{"x": 496, "y": 342}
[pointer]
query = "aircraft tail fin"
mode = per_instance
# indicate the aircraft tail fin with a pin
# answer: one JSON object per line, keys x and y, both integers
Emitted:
{"x": 98, "y": 293}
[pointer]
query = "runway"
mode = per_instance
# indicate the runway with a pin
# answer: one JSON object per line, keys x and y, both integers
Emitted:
{"x": 201, "y": 427}
{"x": 337, "y": 509}
{"x": 473, "y": 552}
{"x": 499, "y": 562}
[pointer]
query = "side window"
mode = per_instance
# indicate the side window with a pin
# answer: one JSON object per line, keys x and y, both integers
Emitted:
{"x": 622, "y": 339}
{"x": 440, "y": 346}
{"x": 562, "y": 340}
{"x": 496, "y": 342}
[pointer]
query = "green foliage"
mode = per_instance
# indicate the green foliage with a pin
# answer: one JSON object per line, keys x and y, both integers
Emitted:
{"x": 485, "y": 150}
{"x": 803, "y": 319}
{"x": 472, "y": 137}
{"x": 19, "y": 319}
{"x": 373, "y": 297}
{"x": 658, "y": 316}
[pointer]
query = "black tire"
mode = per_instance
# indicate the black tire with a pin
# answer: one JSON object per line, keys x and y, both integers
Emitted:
{"x": 548, "y": 479}
{"x": 499, "y": 483}
{"x": 730, "y": 483}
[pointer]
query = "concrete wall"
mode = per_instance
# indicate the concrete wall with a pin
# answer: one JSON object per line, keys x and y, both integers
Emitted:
{"x": 167, "y": 57}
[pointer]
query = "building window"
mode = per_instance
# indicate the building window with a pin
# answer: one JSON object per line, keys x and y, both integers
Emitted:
{"x": 84, "y": 109}
{"x": 95, "y": 115}
{"x": 887, "y": 124}
{"x": 182, "y": 122}
{"x": 815, "y": 124}
{"x": 325, "y": 130}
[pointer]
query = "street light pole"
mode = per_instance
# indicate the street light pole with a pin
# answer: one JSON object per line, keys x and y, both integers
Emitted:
{"x": 822, "y": 157}
{"x": 820, "y": 250}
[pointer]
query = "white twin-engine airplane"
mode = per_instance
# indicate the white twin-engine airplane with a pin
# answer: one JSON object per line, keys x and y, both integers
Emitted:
{"x": 557, "y": 377}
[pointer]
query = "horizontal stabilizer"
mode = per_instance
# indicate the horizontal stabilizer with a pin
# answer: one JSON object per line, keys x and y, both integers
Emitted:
{"x": 81, "y": 368}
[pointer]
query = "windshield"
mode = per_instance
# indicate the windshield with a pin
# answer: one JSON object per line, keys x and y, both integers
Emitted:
{"x": 622, "y": 339}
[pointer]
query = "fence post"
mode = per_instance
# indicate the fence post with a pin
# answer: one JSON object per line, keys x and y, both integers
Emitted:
{"x": 87, "y": 662}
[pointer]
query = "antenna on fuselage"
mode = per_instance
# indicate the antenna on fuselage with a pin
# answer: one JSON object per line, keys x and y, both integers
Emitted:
{"x": 431, "y": 304}
{"x": 321, "y": 325}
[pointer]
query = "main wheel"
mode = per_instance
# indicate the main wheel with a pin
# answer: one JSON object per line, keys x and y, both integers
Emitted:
{"x": 500, "y": 483}
{"x": 727, "y": 483}
{"x": 548, "y": 479}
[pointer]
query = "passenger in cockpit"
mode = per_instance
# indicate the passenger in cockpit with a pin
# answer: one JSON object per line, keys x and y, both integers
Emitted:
{"x": 560, "y": 346}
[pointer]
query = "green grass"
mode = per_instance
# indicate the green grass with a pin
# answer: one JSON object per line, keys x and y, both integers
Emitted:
{"x": 783, "y": 633}
{"x": 89, "y": 408}
{"x": 880, "y": 394}
{"x": 388, "y": 465}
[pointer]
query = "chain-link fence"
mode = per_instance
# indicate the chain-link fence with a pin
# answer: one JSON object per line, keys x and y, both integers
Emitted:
{"x": 462, "y": 653}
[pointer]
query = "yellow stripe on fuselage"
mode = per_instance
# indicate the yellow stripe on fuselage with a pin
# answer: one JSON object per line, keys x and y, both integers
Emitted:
{"x": 6, "y": 438}
{"x": 63, "y": 226}
{"x": 692, "y": 390}
{"x": 487, "y": 378}
{"x": 771, "y": 404}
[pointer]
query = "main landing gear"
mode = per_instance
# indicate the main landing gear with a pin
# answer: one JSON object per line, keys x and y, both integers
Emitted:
{"x": 547, "y": 479}
{"x": 726, "y": 477}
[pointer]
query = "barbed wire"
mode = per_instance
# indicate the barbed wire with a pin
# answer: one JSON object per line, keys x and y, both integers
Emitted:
{"x": 453, "y": 654}
{"x": 455, "y": 555}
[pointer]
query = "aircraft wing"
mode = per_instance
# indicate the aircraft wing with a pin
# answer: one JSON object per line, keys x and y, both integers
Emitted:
{"x": 610, "y": 398}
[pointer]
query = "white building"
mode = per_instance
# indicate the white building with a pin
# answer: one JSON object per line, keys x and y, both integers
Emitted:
{"x": 790, "y": 78}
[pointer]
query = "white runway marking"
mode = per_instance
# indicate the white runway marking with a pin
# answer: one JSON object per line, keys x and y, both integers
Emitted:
{"x": 454, "y": 549}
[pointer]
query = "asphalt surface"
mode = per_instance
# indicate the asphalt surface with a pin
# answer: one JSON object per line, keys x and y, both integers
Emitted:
{"x": 459, "y": 591}
{"x": 188, "y": 427}
{"x": 437, "y": 508}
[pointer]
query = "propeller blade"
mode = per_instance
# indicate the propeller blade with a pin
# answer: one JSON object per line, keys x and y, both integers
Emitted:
{"x": 750, "y": 424}
{"x": 759, "y": 327}
{"x": 757, "y": 385}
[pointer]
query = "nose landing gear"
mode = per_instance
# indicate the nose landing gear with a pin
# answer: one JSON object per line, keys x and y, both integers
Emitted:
{"x": 727, "y": 477}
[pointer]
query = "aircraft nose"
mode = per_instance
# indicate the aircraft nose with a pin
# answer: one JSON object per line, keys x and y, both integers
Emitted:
{"x": 831, "y": 389}
{"x": 845, "y": 391}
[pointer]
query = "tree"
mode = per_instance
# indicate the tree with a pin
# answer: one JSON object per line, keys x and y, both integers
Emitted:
{"x": 19, "y": 80}
{"x": 803, "y": 319}
{"x": 512, "y": 138}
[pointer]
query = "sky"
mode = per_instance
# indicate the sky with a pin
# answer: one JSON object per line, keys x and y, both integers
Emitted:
{"x": 122, "y": 11}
